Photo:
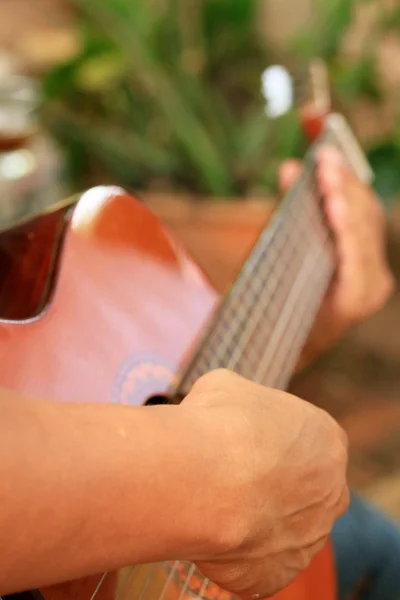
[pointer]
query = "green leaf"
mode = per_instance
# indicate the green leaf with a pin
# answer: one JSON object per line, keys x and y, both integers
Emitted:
{"x": 359, "y": 79}
{"x": 100, "y": 73}
{"x": 390, "y": 20}
{"x": 385, "y": 160}
{"x": 332, "y": 21}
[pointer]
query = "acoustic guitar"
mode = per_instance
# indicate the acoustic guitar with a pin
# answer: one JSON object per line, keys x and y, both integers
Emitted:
{"x": 99, "y": 302}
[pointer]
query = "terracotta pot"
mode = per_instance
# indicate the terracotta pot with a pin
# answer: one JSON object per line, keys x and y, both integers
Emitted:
{"x": 219, "y": 236}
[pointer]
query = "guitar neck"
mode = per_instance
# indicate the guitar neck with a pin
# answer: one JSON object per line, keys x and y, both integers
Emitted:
{"x": 261, "y": 327}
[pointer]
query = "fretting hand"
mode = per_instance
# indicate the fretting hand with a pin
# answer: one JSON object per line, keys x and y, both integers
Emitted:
{"x": 363, "y": 282}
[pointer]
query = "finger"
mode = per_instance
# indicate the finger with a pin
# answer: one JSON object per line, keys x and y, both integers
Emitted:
{"x": 216, "y": 380}
{"x": 255, "y": 580}
{"x": 330, "y": 178}
{"x": 288, "y": 174}
{"x": 370, "y": 231}
{"x": 330, "y": 171}
{"x": 262, "y": 578}
{"x": 348, "y": 230}
{"x": 350, "y": 257}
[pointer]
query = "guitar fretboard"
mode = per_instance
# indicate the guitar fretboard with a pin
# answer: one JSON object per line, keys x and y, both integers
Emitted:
{"x": 261, "y": 326}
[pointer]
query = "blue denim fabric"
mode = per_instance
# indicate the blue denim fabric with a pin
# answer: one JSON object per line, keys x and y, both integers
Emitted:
{"x": 367, "y": 552}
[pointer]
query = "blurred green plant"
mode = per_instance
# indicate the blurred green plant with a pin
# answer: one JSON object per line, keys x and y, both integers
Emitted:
{"x": 357, "y": 79}
{"x": 166, "y": 94}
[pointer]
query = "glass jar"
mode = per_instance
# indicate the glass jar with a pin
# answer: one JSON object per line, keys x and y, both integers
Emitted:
{"x": 31, "y": 165}
{"x": 18, "y": 105}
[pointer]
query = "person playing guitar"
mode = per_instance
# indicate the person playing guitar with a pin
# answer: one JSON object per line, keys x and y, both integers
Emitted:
{"x": 242, "y": 479}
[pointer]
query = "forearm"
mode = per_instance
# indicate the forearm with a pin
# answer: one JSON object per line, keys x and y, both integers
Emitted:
{"x": 93, "y": 488}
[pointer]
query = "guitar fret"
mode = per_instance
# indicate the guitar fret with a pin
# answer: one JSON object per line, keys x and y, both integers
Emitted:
{"x": 300, "y": 336}
{"x": 256, "y": 344}
{"x": 288, "y": 311}
{"x": 293, "y": 262}
{"x": 300, "y": 323}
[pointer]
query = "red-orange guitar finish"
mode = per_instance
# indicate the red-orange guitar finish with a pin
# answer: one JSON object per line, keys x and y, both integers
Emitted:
{"x": 126, "y": 307}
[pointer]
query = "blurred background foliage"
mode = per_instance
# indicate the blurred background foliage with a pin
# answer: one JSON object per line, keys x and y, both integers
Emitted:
{"x": 166, "y": 95}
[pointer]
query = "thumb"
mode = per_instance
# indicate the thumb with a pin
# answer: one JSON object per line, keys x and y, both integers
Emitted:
{"x": 288, "y": 174}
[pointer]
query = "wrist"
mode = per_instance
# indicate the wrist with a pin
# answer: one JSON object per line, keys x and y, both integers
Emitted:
{"x": 209, "y": 502}
{"x": 193, "y": 482}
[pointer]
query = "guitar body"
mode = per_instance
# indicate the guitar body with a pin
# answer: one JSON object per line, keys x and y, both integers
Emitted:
{"x": 126, "y": 308}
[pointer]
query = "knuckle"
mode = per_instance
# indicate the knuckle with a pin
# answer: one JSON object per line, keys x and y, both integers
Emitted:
{"x": 222, "y": 375}
{"x": 267, "y": 586}
{"x": 307, "y": 555}
{"x": 213, "y": 380}
{"x": 238, "y": 578}
{"x": 383, "y": 291}
{"x": 349, "y": 308}
{"x": 389, "y": 285}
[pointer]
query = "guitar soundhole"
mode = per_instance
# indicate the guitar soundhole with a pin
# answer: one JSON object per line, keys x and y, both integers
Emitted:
{"x": 157, "y": 401}
{"x": 160, "y": 399}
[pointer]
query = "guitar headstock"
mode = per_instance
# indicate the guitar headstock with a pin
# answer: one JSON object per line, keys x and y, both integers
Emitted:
{"x": 314, "y": 99}
{"x": 322, "y": 125}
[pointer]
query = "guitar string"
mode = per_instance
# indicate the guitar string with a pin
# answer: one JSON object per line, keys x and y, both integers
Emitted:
{"x": 187, "y": 581}
{"x": 291, "y": 357}
{"x": 301, "y": 337}
{"x": 288, "y": 348}
{"x": 170, "y": 578}
{"x": 313, "y": 263}
{"x": 203, "y": 588}
{"x": 229, "y": 305}
{"x": 131, "y": 577}
{"x": 134, "y": 573}
{"x": 131, "y": 574}
{"x": 253, "y": 284}
{"x": 262, "y": 304}
{"x": 289, "y": 314}
{"x": 148, "y": 581}
{"x": 270, "y": 368}
{"x": 96, "y": 590}
{"x": 238, "y": 317}
{"x": 317, "y": 251}
{"x": 266, "y": 325}
{"x": 276, "y": 333}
